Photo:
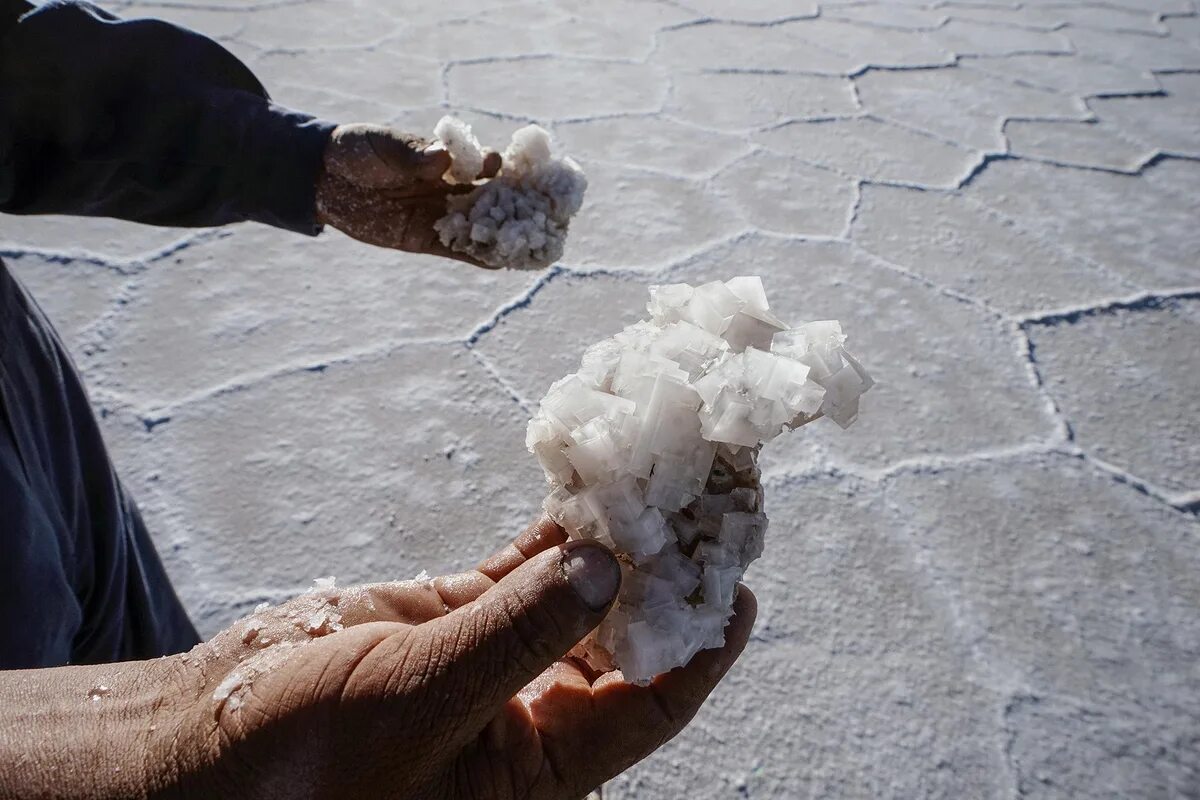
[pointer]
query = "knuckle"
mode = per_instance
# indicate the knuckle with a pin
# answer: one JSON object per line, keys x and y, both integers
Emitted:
{"x": 534, "y": 632}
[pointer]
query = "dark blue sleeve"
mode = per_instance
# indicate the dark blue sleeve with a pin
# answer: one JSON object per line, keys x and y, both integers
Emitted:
{"x": 145, "y": 121}
{"x": 80, "y": 580}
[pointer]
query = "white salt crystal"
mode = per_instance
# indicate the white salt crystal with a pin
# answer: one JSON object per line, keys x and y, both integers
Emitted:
{"x": 251, "y": 631}
{"x": 323, "y": 584}
{"x": 652, "y": 448}
{"x": 667, "y": 303}
{"x": 237, "y": 684}
{"x": 323, "y": 621}
{"x": 232, "y": 682}
{"x": 466, "y": 154}
{"x": 519, "y": 218}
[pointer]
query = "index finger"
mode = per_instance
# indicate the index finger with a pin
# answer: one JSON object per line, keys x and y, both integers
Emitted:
{"x": 543, "y": 534}
{"x": 464, "y": 587}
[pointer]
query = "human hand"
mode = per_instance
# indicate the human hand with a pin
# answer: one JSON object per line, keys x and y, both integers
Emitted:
{"x": 385, "y": 187}
{"x": 456, "y": 689}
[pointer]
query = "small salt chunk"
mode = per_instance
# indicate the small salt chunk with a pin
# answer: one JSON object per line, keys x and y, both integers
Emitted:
{"x": 232, "y": 682}
{"x": 251, "y": 631}
{"x": 519, "y": 218}
{"x": 466, "y": 153}
{"x": 322, "y": 621}
{"x": 323, "y": 584}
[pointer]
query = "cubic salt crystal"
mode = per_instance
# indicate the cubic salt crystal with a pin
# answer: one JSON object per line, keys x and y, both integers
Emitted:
{"x": 746, "y": 330}
{"x": 668, "y": 303}
{"x": 712, "y": 307}
{"x": 753, "y": 325}
{"x": 652, "y": 449}
{"x": 750, "y": 290}
{"x": 519, "y": 218}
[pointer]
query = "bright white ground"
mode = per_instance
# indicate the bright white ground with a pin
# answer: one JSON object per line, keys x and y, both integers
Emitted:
{"x": 988, "y": 588}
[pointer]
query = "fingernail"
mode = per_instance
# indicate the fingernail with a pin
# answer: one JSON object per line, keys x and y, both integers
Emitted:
{"x": 593, "y": 573}
{"x": 435, "y": 147}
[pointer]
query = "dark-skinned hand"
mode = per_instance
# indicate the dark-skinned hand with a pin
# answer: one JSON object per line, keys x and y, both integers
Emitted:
{"x": 458, "y": 688}
{"x": 385, "y": 187}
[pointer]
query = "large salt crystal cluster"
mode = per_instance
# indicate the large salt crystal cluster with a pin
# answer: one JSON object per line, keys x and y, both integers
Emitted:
{"x": 519, "y": 218}
{"x": 652, "y": 447}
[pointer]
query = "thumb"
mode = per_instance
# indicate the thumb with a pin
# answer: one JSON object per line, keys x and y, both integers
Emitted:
{"x": 491, "y": 648}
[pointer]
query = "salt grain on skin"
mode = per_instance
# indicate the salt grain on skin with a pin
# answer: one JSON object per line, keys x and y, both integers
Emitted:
{"x": 225, "y": 688}
{"x": 237, "y": 684}
{"x": 519, "y": 218}
{"x": 251, "y": 631}
{"x": 652, "y": 449}
{"x": 323, "y": 621}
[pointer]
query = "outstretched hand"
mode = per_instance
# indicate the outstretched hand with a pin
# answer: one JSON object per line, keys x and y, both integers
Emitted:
{"x": 385, "y": 187}
{"x": 455, "y": 688}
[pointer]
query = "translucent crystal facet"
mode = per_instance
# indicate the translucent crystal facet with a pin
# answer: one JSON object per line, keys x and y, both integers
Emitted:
{"x": 519, "y": 218}
{"x": 652, "y": 449}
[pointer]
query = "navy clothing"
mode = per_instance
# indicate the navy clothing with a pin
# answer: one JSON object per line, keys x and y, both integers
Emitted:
{"x": 145, "y": 121}
{"x": 80, "y": 581}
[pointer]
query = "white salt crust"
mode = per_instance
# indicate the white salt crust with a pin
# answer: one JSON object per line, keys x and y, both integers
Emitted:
{"x": 519, "y": 218}
{"x": 652, "y": 447}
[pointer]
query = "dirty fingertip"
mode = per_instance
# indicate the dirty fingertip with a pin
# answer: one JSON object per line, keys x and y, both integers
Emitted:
{"x": 491, "y": 165}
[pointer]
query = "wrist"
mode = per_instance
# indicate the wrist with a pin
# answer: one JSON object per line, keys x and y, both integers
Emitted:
{"x": 321, "y": 198}
{"x": 278, "y": 160}
{"x": 89, "y": 731}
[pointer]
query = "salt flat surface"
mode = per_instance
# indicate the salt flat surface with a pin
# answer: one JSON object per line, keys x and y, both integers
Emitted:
{"x": 988, "y": 588}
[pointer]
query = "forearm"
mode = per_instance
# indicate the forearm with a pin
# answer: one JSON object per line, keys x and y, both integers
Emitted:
{"x": 85, "y": 731}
